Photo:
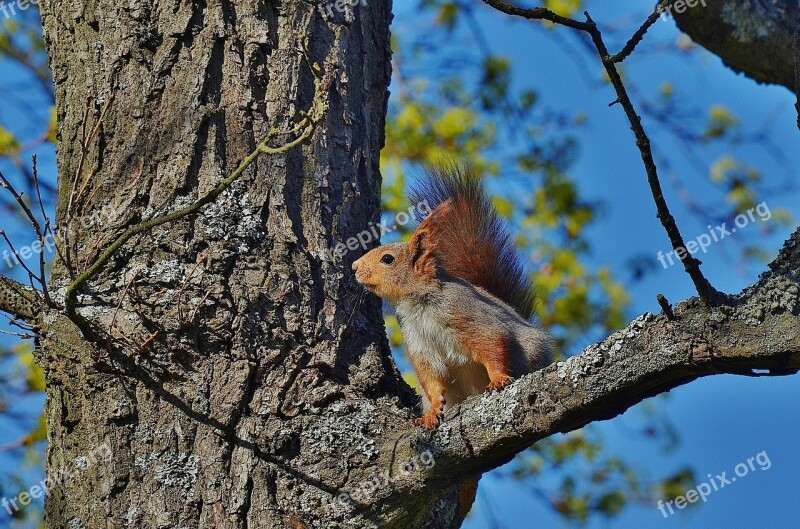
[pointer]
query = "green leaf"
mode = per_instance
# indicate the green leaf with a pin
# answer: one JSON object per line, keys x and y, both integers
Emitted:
{"x": 612, "y": 503}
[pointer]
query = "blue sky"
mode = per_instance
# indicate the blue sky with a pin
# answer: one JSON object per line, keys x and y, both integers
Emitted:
{"x": 723, "y": 420}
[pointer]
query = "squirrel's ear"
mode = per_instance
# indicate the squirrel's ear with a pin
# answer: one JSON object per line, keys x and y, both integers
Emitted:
{"x": 420, "y": 249}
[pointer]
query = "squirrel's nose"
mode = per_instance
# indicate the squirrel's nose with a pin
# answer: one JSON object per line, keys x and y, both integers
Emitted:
{"x": 356, "y": 264}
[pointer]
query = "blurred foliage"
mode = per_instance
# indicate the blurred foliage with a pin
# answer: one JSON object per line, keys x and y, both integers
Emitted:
{"x": 595, "y": 481}
{"x": 21, "y": 380}
{"x": 565, "y": 8}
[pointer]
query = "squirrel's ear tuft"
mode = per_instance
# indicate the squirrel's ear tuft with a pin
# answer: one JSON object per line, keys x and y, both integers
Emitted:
{"x": 420, "y": 249}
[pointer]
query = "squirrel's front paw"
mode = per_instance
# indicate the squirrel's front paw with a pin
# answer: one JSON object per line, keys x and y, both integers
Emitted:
{"x": 500, "y": 382}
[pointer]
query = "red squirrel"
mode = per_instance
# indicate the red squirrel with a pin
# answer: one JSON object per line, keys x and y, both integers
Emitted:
{"x": 460, "y": 293}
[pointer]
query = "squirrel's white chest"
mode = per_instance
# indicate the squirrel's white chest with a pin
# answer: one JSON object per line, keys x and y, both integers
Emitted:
{"x": 428, "y": 337}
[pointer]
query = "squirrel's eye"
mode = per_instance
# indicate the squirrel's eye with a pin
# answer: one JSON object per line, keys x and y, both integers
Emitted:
{"x": 387, "y": 258}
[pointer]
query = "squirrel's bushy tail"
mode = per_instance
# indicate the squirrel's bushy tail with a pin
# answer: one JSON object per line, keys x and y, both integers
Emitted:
{"x": 472, "y": 242}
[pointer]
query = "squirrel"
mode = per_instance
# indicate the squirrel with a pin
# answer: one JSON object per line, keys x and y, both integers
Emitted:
{"x": 460, "y": 293}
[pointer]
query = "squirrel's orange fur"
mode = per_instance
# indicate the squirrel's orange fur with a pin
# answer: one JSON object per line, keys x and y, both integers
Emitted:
{"x": 461, "y": 295}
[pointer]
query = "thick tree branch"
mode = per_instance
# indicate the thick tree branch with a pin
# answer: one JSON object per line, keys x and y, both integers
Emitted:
{"x": 754, "y": 38}
{"x": 759, "y": 39}
{"x": 18, "y": 300}
{"x": 757, "y": 333}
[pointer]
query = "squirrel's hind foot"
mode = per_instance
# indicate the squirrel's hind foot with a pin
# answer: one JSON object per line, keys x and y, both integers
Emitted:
{"x": 429, "y": 422}
{"x": 431, "y": 418}
{"x": 499, "y": 383}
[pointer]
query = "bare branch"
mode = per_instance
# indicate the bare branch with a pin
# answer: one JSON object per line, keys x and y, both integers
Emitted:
{"x": 536, "y": 13}
{"x": 41, "y": 277}
{"x": 639, "y": 35}
{"x": 732, "y": 29}
{"x": 690, "y": 263}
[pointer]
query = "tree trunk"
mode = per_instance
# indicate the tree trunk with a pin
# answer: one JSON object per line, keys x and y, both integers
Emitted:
{"x": 242, "y": 384}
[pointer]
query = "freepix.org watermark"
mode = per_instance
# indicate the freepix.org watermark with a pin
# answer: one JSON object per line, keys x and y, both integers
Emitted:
{"x": 375, "y": 231}
{"x": 703, "y": 490}
{"x": 715, "y": 234}
{"x": 100, "y": 454}
{"x": 679, "y": 6}
{"x": 51, "y": 240}
{"x": 10, "y": 9}
{"x": 339, "y": 5}
{"x": 363, "y": 491}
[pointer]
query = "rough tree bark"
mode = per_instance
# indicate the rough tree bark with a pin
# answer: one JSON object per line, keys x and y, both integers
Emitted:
{"x": 226, "y": 363}
{"x": 249, "y": 384}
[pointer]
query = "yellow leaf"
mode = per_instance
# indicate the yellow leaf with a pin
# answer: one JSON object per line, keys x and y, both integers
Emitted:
{"x": 565, "y": 8}
{"x": 410, "y": 118}
{"x": 504, "y": 207}
{"x": 721, "y": 167}
{"x": 453, "y": 123}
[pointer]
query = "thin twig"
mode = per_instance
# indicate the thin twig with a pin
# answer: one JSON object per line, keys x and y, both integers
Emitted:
{"x": 74, "y": 199}
{"x": 536, "y": 13}
{"x": 95, "y": 243}
{"x": 121, "y": 299}
{"x": 665, "y": 306}
{"x": 14, "y": 445}
{"x": 200, "y": 304}
{"x": 690, "y": 263}
{"x": 21, "y": 336}
{"x": 186, "y": 282}
{"x": 4, "y": 183}
{"x": 148, "y": 341}
{"x": 18, "y": 258}
{"x": 639, "y": 35}
{"x": 15, "y": 321}
{"x": 84, "y": 149}
{"x": 35, "y": 172}
{"x": 48, "y": 227}
{"x": 86, "y": 142}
